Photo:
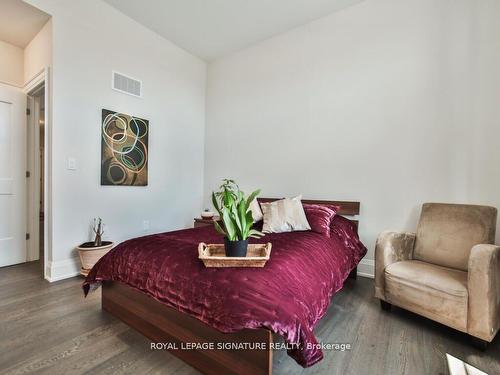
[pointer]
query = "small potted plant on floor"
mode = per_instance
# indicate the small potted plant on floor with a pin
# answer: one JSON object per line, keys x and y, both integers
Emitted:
{"x": 91, "y": 252}
{"x": 237, "y": 221}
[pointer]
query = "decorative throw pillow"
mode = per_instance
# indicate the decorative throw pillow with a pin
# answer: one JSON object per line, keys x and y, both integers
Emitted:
{"x": 256, "y": 211}
{"x": 320, "y": 217}
{"x": 284, "y": 215}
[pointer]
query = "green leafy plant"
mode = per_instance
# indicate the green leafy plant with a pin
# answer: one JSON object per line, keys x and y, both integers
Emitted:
{"x": 233, "y": 209}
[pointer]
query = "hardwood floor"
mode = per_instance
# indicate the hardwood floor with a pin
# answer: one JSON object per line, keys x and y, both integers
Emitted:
{"x": 51, "y": 329}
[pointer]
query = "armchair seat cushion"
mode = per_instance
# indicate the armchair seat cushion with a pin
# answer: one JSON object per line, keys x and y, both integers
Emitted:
{"x": 429, "y": 277}
{"x": 436, "y": 292}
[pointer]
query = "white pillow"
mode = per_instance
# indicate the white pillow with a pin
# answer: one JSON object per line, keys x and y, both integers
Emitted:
{"x": 256, "y": 211}
{"x": 285, "y": 215}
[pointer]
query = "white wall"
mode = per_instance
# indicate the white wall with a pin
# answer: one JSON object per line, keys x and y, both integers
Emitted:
{"x": 18, "y": 66}
{"x": 89, "y": 40}
{"x": 38, "y": 53}
{"x": 11, "y": 64}
{"x": 390, "y": 103}
{"x": 482, "y": 150}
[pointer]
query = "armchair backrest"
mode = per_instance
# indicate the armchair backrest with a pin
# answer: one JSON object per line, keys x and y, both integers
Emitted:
{"x": 446, "y": 233}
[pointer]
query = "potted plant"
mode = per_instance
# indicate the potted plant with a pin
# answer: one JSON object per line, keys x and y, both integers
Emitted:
{"x": 236, "y": 217}
{"x": 91, "y": 252}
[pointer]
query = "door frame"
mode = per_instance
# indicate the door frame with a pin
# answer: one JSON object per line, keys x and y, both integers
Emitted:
{"x": 33, "y": 182}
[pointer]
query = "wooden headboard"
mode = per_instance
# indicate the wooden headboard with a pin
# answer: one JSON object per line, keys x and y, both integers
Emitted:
{"x": 347, "y": 208}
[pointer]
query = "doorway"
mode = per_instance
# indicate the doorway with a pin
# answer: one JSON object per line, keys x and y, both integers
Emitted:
{"x": 35, "y": 174}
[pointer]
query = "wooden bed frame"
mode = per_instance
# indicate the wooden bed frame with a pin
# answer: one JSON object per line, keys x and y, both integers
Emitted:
{"x": 163, "y": 324}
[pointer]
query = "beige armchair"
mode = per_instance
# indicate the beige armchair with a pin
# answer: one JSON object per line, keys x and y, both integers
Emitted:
{"x": 449, "y": 271}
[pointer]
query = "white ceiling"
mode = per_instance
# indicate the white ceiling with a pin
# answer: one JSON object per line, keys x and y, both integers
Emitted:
{"x": 212, "y": 28}
{"x": 20, "y": 22}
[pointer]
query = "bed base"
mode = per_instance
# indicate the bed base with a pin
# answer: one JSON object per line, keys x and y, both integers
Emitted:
{"x": 163, "y": 324}
{"x": 354, "y": 274}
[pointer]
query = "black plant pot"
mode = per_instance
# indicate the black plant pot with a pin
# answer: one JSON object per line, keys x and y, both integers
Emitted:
{"x": 236, "y": 248}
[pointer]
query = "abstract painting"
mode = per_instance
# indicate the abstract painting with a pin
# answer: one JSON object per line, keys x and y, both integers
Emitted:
{"x": 124, "y": 149}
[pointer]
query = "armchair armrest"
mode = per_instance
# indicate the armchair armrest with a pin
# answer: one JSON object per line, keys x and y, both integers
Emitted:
{"x": 483, "y": 285}
{"x": 391, "y": 247}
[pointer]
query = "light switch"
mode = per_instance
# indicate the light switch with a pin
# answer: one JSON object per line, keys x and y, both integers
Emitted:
{"x": 72, "y": 164}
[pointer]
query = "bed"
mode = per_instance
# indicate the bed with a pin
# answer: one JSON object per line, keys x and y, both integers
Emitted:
{"x": 222, "y": 320}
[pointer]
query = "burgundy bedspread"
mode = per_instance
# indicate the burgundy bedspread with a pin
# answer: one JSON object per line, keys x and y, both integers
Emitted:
{"x": 288, "y": 296}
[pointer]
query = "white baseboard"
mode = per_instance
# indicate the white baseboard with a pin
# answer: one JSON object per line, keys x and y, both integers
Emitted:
{"x": 366, "y": 268}
{"x": 63, "y": 269}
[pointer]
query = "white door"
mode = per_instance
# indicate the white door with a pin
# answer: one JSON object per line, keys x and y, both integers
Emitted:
{"x": 12, "y": 176}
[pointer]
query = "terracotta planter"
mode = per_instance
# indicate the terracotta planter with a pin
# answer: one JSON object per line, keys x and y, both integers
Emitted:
{"x": 89, "y": 255}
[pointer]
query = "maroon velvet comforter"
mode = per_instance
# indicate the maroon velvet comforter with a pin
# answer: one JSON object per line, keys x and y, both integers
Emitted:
{"x": 288, "y": 296}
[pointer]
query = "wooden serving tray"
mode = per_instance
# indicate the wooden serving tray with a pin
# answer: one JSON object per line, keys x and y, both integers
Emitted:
{"x": 214, "y": 255}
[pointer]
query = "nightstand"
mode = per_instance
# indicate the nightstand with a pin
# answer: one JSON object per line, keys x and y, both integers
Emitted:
{"x": 200, "y": 222}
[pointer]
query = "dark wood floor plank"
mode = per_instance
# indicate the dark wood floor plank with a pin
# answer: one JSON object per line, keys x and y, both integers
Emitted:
{"x": 136, "y": 359}
{"x": 13, "y": 274}
{"x": 39, "y": 310}
{"x": 51, "y": 329}
{"x": 58, "y": 359}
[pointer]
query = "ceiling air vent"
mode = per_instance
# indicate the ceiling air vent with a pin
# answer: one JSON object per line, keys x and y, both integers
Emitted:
{"x": 127, "y": 85}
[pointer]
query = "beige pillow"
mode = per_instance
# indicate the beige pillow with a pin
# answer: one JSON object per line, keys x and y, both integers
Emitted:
{"x": 285, "y": 215}
{"x": 256, "y": 211}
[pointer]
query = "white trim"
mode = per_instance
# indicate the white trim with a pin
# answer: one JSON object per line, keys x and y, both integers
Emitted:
{"x": 366, "y": 268}
{"x": 47, "y": 189}
{"x": 43, "y": 77}
{"x": 36, "y": 80}
{"x": 62, "y": 269}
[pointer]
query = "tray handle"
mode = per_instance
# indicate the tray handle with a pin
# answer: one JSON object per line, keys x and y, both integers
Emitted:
{"x": 268, "y": 249}
{"x": 202, "y": 249}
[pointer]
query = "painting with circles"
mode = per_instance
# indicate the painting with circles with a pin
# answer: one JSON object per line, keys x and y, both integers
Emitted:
{"x": 124, "y": 149}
